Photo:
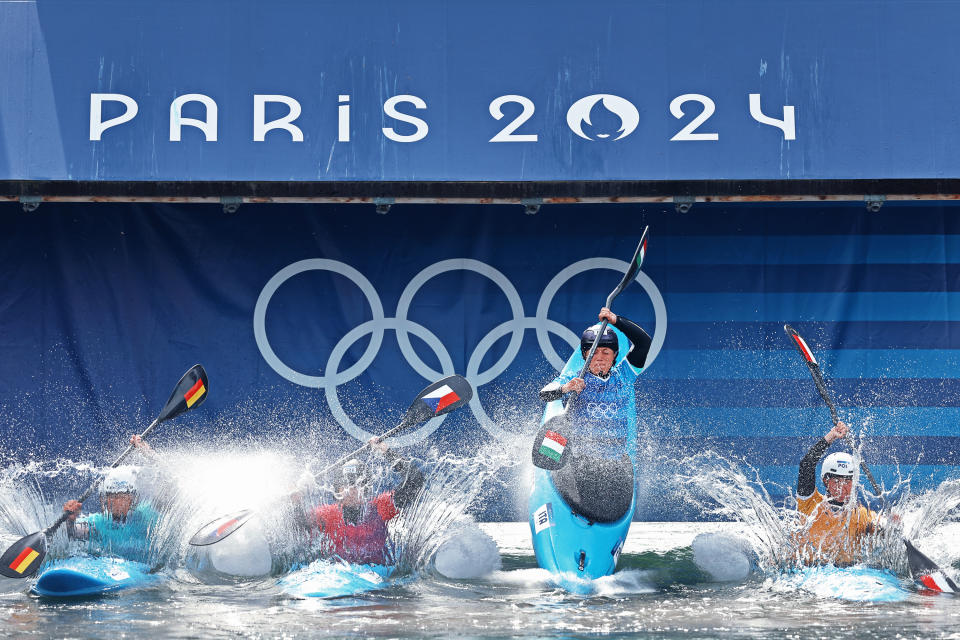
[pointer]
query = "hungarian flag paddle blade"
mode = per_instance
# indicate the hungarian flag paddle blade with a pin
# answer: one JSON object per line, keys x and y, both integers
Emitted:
{"x": 24, "y": 557}
{"x": 221, "y": 528}
{"x": 552, "y": 446}
{"x": 926, "y": 572}
{"x": 189, "y": 393}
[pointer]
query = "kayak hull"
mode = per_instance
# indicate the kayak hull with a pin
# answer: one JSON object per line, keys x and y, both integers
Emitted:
{"x": 855, "y": 584}
{"x": 89, "y": 577}
{"x": 331, "y": 579}
{"x": 567, "y": 544}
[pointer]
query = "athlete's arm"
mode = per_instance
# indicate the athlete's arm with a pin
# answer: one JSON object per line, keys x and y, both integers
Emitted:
{"x": 413, "y": 479}
{"x": 807, "y": 479}
{"x": 639, "y": 341}
{"x": 559, "y": 386}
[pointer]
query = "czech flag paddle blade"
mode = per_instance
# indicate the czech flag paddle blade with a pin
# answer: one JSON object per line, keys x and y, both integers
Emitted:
{"x": 926, "y": 572}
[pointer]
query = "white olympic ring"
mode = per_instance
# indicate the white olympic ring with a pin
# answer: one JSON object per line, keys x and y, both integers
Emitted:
{"x": 376, "y": 327}
{"x": 605, "y": 410}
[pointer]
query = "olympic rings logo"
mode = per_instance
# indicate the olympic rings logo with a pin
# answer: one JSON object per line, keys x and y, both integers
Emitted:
{"x": 606, "y": 410}
{"x": 403, "y": 327}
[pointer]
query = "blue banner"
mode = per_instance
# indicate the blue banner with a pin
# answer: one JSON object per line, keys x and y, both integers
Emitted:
{"x": 319, "y": 324}
{"x": 322, "y": 91}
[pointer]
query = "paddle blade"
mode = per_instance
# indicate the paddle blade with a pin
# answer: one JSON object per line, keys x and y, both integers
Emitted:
{"x": 220, "y": 528}
{"x": 801, "y": 344}
{"x": 24, "y": 557}
{"x": 438, "y": 399}
{"x": 189, "y": 393}
{"x": 926, "y": 572}
{"x": 551, "y": 446}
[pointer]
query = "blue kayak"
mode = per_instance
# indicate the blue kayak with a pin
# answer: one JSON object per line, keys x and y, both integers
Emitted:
{"x": 86, "y": 576}
{"x": 856, "y": 584}
{"x": 580, "y": 514}
{"x": 332, "y": 579}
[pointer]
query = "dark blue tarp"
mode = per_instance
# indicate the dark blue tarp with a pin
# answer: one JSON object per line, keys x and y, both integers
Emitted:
{"x": 104, "y": 306}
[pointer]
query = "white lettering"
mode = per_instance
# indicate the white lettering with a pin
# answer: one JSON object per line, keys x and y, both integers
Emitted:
{"x": 390, "y": 109}
{"x": 507, "y": 133}
{"x": 787, "y": 125}
{"x": 687, "y": 133}
{"x": 260, "y": 127}
{"x": 97, "y": 126}
{"x": 343, "y": 119}
{"x": 208, "y": 126}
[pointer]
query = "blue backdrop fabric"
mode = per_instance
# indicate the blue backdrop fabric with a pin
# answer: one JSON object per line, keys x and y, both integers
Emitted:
{"x": 327, "y": 320}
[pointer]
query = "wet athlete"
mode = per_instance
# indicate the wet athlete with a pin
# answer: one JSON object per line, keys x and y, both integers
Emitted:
{"x": 602, "y": 407}
{"x": 837, "y": 529}
{"x": 124, "y": 525}
{"x": 354, "y": 528}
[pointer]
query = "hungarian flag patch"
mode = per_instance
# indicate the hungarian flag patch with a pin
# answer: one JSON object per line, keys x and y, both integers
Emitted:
{"x": 553, "y": 445}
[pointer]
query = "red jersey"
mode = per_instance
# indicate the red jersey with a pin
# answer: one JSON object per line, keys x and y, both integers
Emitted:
{"x": 364, "y": 542}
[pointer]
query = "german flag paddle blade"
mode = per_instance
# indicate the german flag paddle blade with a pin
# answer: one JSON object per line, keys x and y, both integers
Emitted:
{"x": 24, "y": 557}
{"x": 189, "y": 393}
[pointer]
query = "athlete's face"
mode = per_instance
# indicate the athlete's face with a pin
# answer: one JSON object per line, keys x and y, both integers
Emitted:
{"x": 603, "y": 359}
{"x": 349, "y": 496}
{"x": 838, "y": 489}
{"x": 117, "y": 504}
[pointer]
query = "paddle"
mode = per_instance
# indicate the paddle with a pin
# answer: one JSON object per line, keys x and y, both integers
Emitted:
{"x": 922, "y": 569}
{"x": 822, "y": 388}
{"x": 551, "y": 445}
{"x": 438, "y": 399}
{"x": 26, "y": 555}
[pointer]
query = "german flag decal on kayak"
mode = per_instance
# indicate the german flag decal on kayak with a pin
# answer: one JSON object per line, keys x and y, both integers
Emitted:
{"x": 195, "y": 393}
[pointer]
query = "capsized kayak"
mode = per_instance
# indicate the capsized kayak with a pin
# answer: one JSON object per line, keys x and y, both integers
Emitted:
{"x": 334, "y": 579}
{"x": 580, "y": 514}
{"x": 857, "y": 583}
{"x": 85, "y": 576}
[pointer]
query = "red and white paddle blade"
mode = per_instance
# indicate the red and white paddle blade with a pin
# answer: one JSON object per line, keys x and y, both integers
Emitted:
{"x": 220, "y": 528}
{"x": 926, "y": 572}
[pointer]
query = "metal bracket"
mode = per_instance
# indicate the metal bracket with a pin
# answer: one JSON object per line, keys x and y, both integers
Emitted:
{"x": 383, "y": 205}
{"x": 531, "y": 206}
{"x": 231, "y": 203}
{"x": 682, "y": 204}
{"x": 874, "y": 202}
{"x": 30, "y": 203}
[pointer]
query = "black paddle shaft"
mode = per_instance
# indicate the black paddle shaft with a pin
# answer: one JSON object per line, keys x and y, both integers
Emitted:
{"x": 821, "y": 386}
{"x": 628, "y": 277}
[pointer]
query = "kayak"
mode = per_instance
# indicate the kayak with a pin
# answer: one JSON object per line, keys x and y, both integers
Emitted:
{"x": 332, "y": 579}
{"x": 580, "y": 514}
{"x": 86, "y": 576}
{"x": 856, "y": 584}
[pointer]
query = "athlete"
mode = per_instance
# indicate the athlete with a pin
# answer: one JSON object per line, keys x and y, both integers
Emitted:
{"x": 354, "y": 528}
{"x": 602, "y": 407}
{"x": 837, "y": 530}
{"x": 123, "y": 528}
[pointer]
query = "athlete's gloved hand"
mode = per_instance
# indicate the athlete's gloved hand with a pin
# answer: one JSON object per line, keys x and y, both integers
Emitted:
{"x": 577, "y": 384}
{"x": 73, "y": 507}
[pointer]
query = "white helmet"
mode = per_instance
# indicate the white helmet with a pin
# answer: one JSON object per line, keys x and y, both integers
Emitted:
{"x": 121, "y": 479}
{"x": 838, "y": 464}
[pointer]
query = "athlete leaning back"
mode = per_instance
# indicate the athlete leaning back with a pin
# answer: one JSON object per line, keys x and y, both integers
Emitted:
{"x": 602, "y": 409}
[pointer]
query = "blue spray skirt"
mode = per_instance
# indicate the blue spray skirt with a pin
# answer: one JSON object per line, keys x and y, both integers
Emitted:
{"x": 570, "y": 544}
{"x": 86, "y": 576}
{"x": 331, "y": 579}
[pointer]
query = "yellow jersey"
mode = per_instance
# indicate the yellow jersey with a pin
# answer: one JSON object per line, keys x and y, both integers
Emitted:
{"x": 833, "y": 534}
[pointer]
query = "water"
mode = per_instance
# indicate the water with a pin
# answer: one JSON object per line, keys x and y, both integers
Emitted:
{"x": 464, "y": 580}
{"x": 656, "y": 595}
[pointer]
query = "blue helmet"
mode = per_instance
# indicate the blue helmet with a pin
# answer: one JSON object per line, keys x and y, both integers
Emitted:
{"x": 608, "y": 339}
